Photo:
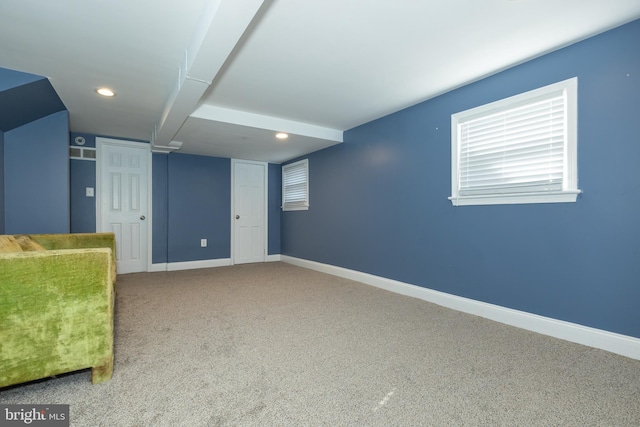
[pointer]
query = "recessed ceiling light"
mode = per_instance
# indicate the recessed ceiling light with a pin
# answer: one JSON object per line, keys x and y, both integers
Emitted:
{"x": 105, "y": 91}
{"x": 282, "y": 135}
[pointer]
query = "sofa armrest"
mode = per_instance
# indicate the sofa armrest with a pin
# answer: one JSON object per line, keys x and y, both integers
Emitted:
{"x": 79, "y": 241}
{"x": 56, "y": 313}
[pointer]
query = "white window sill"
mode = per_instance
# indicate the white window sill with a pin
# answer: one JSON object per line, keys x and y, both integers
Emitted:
{"x": 297, "y": 208}
{"x": 568, "y": 196}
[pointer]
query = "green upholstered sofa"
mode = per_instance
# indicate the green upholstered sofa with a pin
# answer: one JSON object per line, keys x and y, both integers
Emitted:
{"x": 56, "y": 305}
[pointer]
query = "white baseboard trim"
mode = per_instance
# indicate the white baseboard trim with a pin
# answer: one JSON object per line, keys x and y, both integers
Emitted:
{"x": 157, "y": 267}
{"x": 208, "y": 263}
{"x": 190, "y": 265}
{"x": 610, "y": 341}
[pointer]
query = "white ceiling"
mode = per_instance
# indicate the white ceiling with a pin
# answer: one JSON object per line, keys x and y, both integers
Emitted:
{"x": 221, "y": 76}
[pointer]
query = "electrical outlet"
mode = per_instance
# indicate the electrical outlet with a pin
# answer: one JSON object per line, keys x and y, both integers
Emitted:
{"x": 203, "y": 243}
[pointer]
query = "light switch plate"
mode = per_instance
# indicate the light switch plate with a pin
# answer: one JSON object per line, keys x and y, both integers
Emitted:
{"x": 89, "y": 192}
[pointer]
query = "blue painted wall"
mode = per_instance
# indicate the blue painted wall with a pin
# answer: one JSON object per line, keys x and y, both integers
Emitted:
{"x": 36, "y": 176}
{"x": 32, "y": 122}
{"x": 24, "y": 98}
{"x": 192, "y": 201}
{"x": 83, "y": 208}
{"x": 274, "y": 203}
{"x": 160, "y": 251}
{"x": 379, "y": 200}
{"x": 82, "y": 175}
{"x": 26, "y": 103}
{"x": 199, "y": 207}
{"x": 12, "y": 78}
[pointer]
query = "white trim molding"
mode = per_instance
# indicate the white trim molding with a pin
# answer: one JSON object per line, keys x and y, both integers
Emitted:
{"x": 615, "y": 343}
{"x": 208, "y": 263}
{"x": 150, "y": 209}
{"x": 190, "y": 265}
{"x": 154, "y": 268}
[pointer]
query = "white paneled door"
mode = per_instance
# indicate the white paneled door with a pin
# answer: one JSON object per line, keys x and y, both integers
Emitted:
{"x": 249, "y": 214}
{"x": 122, "y": 205}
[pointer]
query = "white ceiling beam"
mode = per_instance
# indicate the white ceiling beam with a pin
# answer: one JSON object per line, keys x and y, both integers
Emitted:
{"x": 243, "y": 118}
{"x": 220, "y": 28}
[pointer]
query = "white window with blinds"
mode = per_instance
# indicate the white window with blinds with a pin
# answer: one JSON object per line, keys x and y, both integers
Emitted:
{"x": 295, "y": 186}
{"x": 521, "y": 149}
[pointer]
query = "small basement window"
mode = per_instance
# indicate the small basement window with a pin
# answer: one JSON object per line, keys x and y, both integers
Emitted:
{"x": 295, "y": 186}
{"x": 521, "y": 149}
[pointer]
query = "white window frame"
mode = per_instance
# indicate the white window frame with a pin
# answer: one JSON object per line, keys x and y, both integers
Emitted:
{"x": 569, "y": 192}
{"x": 301, "y": 204}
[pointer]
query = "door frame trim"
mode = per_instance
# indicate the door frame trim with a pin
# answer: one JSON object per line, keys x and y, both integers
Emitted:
{"x": 233, "y": 204}
{"x": 102, "y": 141}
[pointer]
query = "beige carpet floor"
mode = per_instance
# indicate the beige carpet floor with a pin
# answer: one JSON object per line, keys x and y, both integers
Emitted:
{"x": 277, "y": 345}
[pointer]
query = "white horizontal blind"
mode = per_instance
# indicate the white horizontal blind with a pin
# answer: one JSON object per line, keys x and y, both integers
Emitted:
{"x": 517, "y": 150}
{"x": 295, "y": 185}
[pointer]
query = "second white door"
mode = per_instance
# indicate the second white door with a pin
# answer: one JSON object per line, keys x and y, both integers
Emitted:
{"x": 249, "y": 211}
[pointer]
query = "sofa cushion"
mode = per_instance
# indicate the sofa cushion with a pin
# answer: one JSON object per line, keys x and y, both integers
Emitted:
{"x": 9, "y": 244}
{"x": 28, "y": 244}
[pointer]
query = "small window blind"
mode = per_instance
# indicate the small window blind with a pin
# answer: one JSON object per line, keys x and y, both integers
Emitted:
{"x": 518, "y": 150}
{"x": 295, "y": 186}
